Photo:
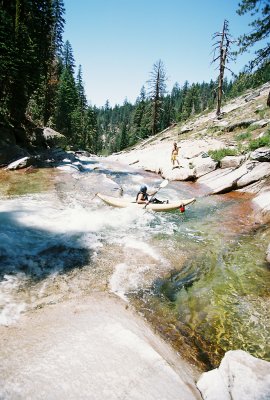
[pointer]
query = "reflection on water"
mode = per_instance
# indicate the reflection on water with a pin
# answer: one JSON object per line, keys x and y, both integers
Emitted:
{"x": 199, "y": 277}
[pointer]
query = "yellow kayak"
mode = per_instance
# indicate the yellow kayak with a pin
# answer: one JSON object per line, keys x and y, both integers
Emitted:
{"x": 122, "y": 202}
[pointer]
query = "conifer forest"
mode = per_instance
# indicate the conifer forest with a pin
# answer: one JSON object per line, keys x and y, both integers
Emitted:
{"x": 40, "y": 82}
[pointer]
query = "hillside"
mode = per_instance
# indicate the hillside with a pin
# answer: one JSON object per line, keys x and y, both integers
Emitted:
{"x": 231, "y": 152}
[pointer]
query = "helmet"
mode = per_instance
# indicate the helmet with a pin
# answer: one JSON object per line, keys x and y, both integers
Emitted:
{"x": 143, "y": 189}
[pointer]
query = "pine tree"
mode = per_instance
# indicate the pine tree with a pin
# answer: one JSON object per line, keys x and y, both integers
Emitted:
{"x": 123, "y": 136}
{"x": 68, "y": 58}
{"x": 28, "y": 48}
{"x": 260, "y": 31}
{"x": 80, "y": 89}
{"x": 139, "y": 130}
{"x": 93, "y": 141}
{"x": 66, "y": 105}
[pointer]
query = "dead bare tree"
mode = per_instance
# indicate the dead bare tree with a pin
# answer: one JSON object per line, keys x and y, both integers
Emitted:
{"x": 222, "y": 45}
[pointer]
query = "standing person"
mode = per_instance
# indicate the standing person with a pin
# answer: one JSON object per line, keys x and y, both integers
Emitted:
{"x": 174, "y": 155}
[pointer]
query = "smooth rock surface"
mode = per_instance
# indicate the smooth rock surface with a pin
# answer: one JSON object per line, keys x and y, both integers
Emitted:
{"x": 93, "y": 348}
{"x": 240, "y": 376}
{"x": 232, "y": 161}
{"x": 258, "y": 172}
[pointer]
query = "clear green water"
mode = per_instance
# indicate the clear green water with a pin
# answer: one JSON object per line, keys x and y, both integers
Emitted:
{"x": 22, "y": 182}
{"x": 218, "y": 298}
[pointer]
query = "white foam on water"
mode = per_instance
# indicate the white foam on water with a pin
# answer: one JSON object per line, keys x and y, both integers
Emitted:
{"x": 132, "y": 274}
{"x": 37, "y": 231}
{"x": 143, "y": 247}
{"x": 126, "y": 278}
{"x": 10, "y": 307}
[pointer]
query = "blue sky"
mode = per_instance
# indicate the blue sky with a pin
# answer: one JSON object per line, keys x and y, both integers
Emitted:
{"x": 118, "y": 41}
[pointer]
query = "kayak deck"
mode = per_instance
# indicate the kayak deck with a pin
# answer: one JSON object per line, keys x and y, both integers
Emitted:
{"x": 127, "y": 202}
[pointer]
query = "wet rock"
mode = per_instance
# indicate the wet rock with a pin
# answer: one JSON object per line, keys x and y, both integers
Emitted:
{"x": 261, "y": 154}
{"x": 239, "y": 376}
{"x": 232, "y": 161}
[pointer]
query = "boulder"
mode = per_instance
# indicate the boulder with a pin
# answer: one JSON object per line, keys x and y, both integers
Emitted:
{"x": 185, "y": 129}
{"x": 83, "y": 153}
{"x": 53, "y": 138}
{"x": 262, "y": 200}
{"x": 223, "y": 180}
{"x": 259, "y": 171}
{"x": 252, "y": 96}
{"x": 261, "y": 154}
{"x": 178, "y": 174}
{"x": 240, "y": 376}
{"x": 231, "y": 179}
{"x": 268, "y": 254}
{"x": 21, "y": 163}
{"x": 203, "y": 165}
{"x": 232, "y": 161}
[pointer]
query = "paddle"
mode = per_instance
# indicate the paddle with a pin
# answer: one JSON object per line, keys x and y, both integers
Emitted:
{"x": 162, "y": 185}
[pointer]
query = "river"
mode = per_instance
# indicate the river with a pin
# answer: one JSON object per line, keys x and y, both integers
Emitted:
{"x": 199, "y": 278}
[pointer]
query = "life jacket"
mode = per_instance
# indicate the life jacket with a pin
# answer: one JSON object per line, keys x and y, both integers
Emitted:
{"x": 144, "y": 197}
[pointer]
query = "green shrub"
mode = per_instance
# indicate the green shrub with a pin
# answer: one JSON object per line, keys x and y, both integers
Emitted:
{"x": 243, "y": 136}
{"x": 217, "y": 155}
{"x": 213, "y": 129}
{"x": 253, "y": 127}
{"x": 260, "y": 142}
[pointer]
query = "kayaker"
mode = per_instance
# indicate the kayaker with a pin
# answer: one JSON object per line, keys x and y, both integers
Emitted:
{"x": 143, "y": 197}
{"x": 174, "y": 155}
